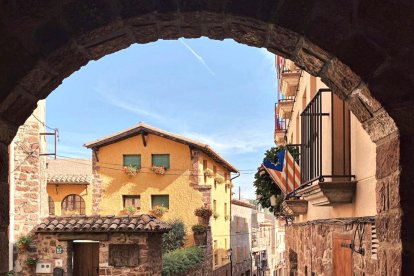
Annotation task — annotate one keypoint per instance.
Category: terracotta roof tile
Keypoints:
(88, 224)
(69, 171)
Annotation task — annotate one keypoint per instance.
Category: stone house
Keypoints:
(333, 203)
(98, 245)
(144, 169)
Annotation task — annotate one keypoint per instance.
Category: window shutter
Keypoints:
(161, 160)
(132, 160)
(160, 200)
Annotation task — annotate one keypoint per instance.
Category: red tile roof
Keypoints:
(69, 171)
(102, 224)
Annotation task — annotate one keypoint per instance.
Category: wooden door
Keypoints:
(85, 259)
(341, 255)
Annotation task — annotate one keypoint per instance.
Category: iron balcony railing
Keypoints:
(280, 123)
(314, 129)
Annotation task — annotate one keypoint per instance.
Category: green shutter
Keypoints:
(160, 200)
(161, 160)
(132, 160)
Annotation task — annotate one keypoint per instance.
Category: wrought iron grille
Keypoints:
(312, 144)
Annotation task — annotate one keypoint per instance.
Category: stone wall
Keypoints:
(242, 267)
(30, 196)
(150, 254)
(309, 248)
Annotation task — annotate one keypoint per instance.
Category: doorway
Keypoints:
(86, 258)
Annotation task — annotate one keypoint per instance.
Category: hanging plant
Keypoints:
(203, 212)
(31, 261)
(219, 179)
(158, 211)
(130, 170)
(23, 242)
(209, 173)
(158, 170)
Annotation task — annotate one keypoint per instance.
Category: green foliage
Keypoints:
(181, 260)
(31, 261)
(23, 242)
(199, 228)
(203, 212)
(265, 187)
(174, 239)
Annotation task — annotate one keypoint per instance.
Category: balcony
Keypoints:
(289, 82)
(285, 108)
(329, 193)
(325, 152)
(295, 207)
(280, 128)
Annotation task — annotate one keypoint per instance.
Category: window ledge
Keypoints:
(329, 193)
(295, 207)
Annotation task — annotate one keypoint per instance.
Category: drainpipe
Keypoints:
(11, 211)
(231, 218)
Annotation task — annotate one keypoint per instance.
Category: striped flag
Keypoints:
(286, 174)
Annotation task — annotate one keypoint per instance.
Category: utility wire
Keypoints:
(121, 165)
(73, 160)
(43, 123)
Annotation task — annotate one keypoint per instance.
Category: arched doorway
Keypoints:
(362, 51)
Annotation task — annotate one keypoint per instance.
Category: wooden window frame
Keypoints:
(161, 154)
(133, 197)
(129, 155)
(77, 199)
(152, 200)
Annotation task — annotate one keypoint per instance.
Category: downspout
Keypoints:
(231, 262)
(11, 211)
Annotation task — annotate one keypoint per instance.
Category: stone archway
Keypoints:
(361, 50)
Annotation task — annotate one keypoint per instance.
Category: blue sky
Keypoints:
(218, 92)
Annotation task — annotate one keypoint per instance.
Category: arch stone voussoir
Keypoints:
(361, 51)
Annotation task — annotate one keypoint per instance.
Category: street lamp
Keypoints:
(229, 252)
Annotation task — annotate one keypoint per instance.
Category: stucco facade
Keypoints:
(241, 242)
(342, 165)
(184, 182)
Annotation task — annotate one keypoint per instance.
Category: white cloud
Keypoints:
(197, 56)
(127, 106)
(231, 141)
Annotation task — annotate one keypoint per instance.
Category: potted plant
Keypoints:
(204, 214)
(23, 242)
(130, 170)
(219, 179)
(158, 170)
(200, 234)
(209, 173)
(31, 261)
(158, 211)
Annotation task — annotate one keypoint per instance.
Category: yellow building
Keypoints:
(141, 168)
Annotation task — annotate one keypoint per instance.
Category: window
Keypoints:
(123, 255)
(161, 160)
(51, 206)
(131, 200)
(160, 200)
(204, 168)
(73, 204)
(215, 258)
(133, 160)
